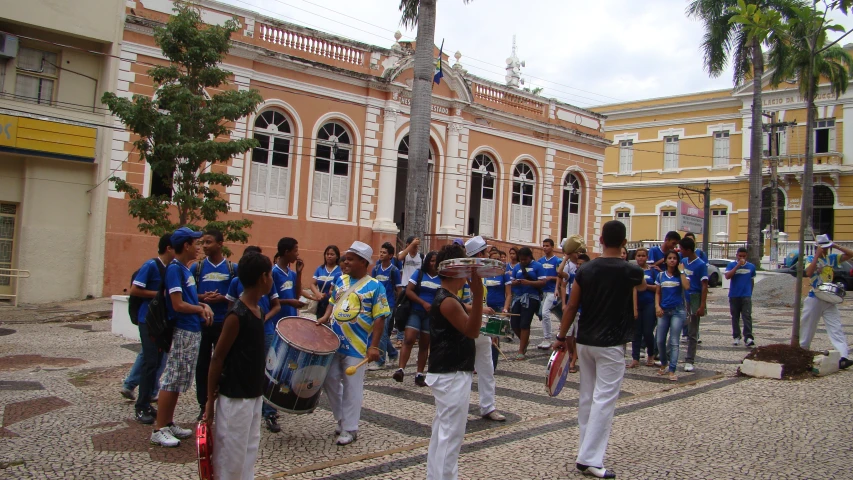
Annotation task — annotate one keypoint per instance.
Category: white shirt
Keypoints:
(410, 265)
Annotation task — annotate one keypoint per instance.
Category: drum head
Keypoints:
(828, 297)
(307, 336)
(558, 369)
(464, 267)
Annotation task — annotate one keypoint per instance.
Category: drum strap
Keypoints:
(353, 287)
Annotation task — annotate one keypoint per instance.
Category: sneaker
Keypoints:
(179, 432)
(595, 471)
(345, 438)
(398, 375)
(374, 366)
(699, 342)
(164, 438)
(200, 413)
(271, 423)
(495, 416)
(420, 380)
(844, 363)
(145, 417)
(544, 345)
(127, 393)
(736, 341)
(688, 367)
(750, 342)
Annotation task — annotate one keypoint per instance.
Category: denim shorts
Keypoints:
(418, 320)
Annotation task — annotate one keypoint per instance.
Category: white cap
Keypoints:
(475, 246)
(361, 249)
(823, 241)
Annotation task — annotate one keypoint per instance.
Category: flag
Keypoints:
(438, 70)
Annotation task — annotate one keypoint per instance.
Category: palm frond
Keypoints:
(410, 13)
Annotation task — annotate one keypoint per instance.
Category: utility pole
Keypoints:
(706, 222)
(773, 159)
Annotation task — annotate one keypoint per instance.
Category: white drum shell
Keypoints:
(830, 292)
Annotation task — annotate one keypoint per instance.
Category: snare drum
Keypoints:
(831, 292)
(495, 326)
(464, 267)
(297, 363)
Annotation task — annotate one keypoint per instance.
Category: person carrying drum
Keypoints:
(358, 309)
(742, 275)
(820, 270)
(528, 278)
(499, 292)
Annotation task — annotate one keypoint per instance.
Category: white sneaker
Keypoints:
(688, 367)
(345, 438)
(164, 438)
(179, 432)
(750, 342)
(544, 345)
(373, 366)
(736, 342)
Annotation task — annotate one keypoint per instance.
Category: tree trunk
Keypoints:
(753, 232)
(417, 194)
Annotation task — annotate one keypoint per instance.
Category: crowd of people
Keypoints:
(224, 317)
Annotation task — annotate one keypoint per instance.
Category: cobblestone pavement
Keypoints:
(62, 416)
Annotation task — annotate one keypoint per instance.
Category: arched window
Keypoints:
(269, 175)
(481, 214)
(402, 183)
(766, 213)
(823, 211)
(521, 214)
(330, 197)
(570, 221)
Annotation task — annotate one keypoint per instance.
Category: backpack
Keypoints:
(160, 328)
(403, 308)
(134, 303)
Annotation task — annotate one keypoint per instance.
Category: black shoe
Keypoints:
(420, 380)
(595, 471)
(398, 375)
(844, 363)
(272, 424)
(145, 417)
(200, 413)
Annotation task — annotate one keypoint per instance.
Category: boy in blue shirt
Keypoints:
(188, 316)
(389, 276)
(213, 276)
(549, 263)
(657, 254)
(699, 252)
(742, 275)
(697, 271)
(528, 279)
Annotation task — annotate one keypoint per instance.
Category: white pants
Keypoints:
(345, 392)
(451, 391)
(485, 374)
(813, 309)
(547, 303)
(601, 371)
(236, 432)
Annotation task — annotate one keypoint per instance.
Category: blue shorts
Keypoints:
(418, 320)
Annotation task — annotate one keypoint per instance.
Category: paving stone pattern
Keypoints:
(62, 416)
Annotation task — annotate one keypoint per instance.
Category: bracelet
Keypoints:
(559, 338)
(377, 349)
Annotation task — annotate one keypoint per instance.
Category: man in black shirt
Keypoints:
(604, 288)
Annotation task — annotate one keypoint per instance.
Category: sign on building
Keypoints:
(689, 218)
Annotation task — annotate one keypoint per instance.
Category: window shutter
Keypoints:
(258, 182)
(339, 197)
(515, 222)
(526, 227)
(320, 207)
(278, 189)
(783, 143)
(487, 217)
(831, 142)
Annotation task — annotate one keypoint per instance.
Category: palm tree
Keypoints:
(725, 40)
(420, 13)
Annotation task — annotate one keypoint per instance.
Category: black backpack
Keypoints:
(133, 302)
(403, 307)
(160, 328)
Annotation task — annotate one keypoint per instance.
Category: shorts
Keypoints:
(523, 315)
(180, 366)
(418, 320)
(693, 303)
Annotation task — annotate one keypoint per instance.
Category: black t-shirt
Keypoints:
(607, 301)
(243, 372)
(449, 350)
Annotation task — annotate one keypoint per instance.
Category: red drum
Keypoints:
(204, 443)
(558, 369)
(464, 267)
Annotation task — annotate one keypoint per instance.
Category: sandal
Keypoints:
(634, 364)
(673, 377)
(573, 369)
(520, 356)
(663, 370)
(650, 362)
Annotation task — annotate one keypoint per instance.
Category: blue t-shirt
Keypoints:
(701, 255)
(824, 272)
(284, 282)
(496, 290)
(390, 278)
(214, 278)
(353, 317)
(180, 279)
(236, 289)
(671, 293)
(655, 254)
(429, 287)
(148, 278)
(534, 272)
(325, 279)
(696, 271)
(550, 266)
(646, 297)
(741, 283)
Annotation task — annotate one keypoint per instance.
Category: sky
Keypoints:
(585, 53)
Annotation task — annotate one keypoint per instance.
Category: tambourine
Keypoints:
(204, 444)
(465, 267)
(555, 374)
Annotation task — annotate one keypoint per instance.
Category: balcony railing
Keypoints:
(508, 99)
(798, 161)
(321, 47)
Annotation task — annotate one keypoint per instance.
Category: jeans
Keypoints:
(385, 344)
(131, 381)
(644, 331)
(671, 322)
(153, 363)
(266, 409)
(741, 307)
(209, 337)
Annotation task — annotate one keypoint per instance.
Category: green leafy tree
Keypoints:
(182, 132)
(727, 41)
(800, 48)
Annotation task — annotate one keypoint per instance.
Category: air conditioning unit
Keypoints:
(8, 46)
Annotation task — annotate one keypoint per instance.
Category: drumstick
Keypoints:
(507, 314)
(351, 370)
(501, 352)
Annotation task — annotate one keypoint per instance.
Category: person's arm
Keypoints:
(275, 307)
(636, 309)
(230, 329)
(318, 295)
(847, 253)
(560, 273)
(658, 310)
(137, 291)
(685, 282)
(813, 265)
(297, 285)
(569, 314)
(730, 270)
(702, 305)
(409, 249)
(507, 296)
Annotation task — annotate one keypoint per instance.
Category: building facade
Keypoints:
(55, 63)
(660, 144)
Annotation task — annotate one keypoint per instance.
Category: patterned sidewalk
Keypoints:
(62, 416)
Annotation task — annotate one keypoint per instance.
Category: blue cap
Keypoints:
(181, 235)
(458, 241)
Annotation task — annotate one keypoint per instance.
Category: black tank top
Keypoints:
(243, 372)
(450, 351)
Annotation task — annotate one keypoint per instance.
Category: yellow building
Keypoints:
(660, 144)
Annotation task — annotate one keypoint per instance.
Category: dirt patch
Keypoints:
(18, 362)
(90, 317)
(96, 376)
(796, 362)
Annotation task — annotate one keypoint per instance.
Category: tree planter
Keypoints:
(782, 362)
